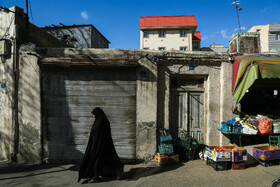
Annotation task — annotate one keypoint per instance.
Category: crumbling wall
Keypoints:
(7, 31)
(29, 110)
(146, 109)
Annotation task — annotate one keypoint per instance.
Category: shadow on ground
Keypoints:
(25, 170)
(134, 173)
(137, 173)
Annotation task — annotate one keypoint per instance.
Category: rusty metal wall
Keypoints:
(69, 95)
(233, 46)
(248, 45)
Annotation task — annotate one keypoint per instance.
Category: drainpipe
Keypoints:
(15, 125)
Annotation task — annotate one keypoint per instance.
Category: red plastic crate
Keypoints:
(237, 165)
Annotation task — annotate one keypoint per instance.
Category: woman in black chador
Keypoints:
(100, 151)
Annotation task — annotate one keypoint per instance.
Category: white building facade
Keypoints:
(169, 33)
(269, 37)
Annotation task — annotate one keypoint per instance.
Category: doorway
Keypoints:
(187, 106)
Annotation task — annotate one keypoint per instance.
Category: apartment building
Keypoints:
(269, 36)
(169, 33)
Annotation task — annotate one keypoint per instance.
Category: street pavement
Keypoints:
(191, 173)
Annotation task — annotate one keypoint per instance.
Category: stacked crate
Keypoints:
(238, 158)
(274, 141)
(187, 147)
(219, 160)
(267, 155)
(232, 157)
(165, 153)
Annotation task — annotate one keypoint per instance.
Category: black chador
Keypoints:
(100, 151)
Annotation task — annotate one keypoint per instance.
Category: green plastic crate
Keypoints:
(274, 141)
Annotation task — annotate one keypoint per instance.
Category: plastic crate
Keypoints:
(165, 138)
(165, 148)
(161, 159)
(269, 163)
(237, 165)
(218, 166)
(274, 140)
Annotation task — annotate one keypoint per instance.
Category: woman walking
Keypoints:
(100, 151)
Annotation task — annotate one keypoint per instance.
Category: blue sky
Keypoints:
(118, 20)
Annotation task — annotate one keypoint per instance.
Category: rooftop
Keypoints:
(197, 35)
(168, 21)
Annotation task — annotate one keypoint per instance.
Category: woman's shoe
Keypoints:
(120, 173)
(93, 180)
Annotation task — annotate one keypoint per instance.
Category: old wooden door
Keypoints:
(187, 113)
(187, 106)
(195, 114)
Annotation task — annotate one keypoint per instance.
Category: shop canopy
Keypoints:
(246, 69)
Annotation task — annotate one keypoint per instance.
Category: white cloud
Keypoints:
(264, 10)
(237, 29)
(84, 15)
(204, 38)
(224, 33)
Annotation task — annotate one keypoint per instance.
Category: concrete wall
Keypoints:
(29, 109)
(146, 112)
(7, 31)
(227, 100)
(171, 41)
(264, 42)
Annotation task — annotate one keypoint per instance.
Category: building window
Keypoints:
(161, 48)
(195, 46)
(183, 48)
(277, 36)
(146, 34)
(161, 33)
(146, 48)
(183, 33)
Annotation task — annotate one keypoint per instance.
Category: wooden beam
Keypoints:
(53, 61)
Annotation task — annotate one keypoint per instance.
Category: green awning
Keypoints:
(257, 70)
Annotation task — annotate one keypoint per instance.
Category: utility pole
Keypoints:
(236, 3)
(26, 7)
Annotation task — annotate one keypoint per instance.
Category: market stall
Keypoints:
(256, 83)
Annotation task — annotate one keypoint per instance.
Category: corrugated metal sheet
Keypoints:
(70, 94)
(274, 27)
(273, 43)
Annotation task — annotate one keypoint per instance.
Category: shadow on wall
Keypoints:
(70, 94)
(58, 136)
(4, 146)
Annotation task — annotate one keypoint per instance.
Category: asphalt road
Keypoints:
(192, 173)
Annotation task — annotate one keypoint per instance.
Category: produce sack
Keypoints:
(225, 127)
(253, 121)
(248, 128)
(276, 126)
(265, 126)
